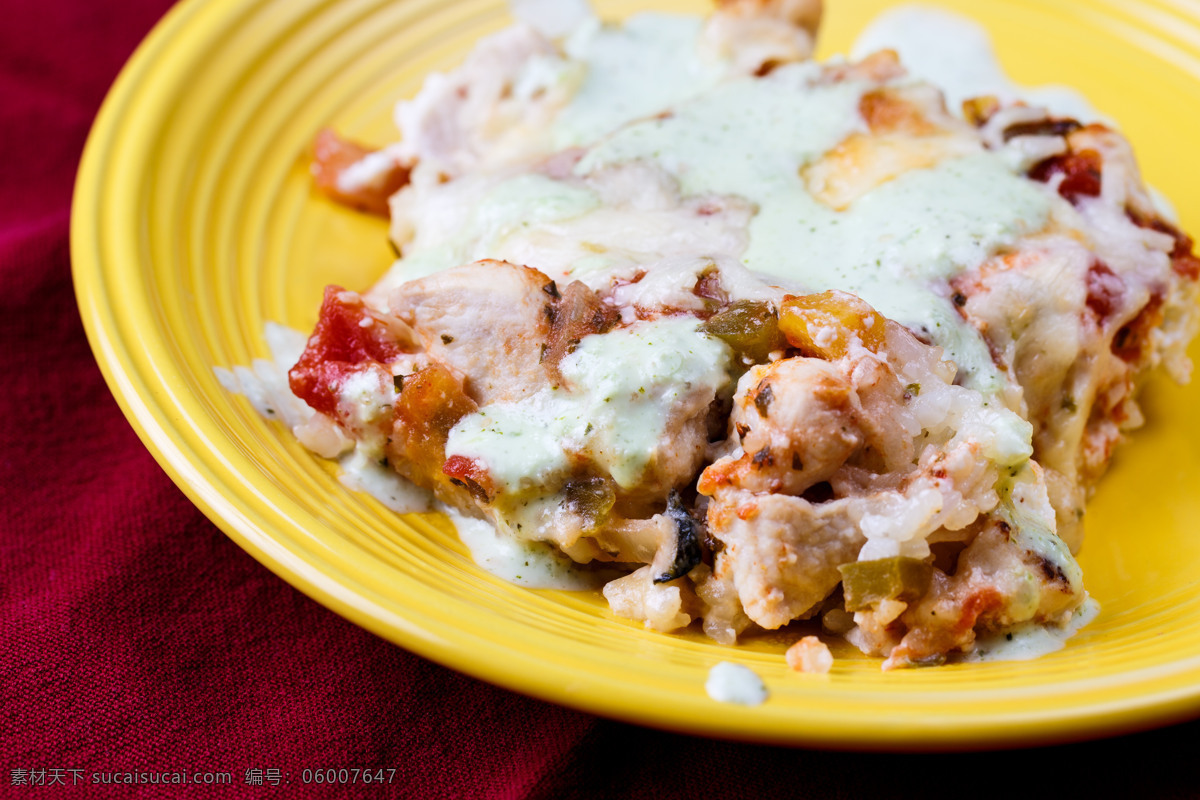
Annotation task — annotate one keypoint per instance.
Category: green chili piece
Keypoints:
(865, 583)
(751, 328)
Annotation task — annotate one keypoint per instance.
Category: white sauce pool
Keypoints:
(362, 473)
(1030, 640)
(533, 565)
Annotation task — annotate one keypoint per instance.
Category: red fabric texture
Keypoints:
(136, 638)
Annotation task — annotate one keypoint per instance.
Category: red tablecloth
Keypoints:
(136, 638)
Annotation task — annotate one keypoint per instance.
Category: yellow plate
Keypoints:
(195, 223)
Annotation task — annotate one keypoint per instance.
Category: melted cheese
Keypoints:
(893, 247)
(750, 139)
(480, 218)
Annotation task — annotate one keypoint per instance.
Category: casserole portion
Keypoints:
(777, 340)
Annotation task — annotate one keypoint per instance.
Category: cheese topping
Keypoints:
(748, 139)
(752, 138)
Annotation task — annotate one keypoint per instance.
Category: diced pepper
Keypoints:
(1081, 171)
(865, 583)
(978, 110)
(471, 475)
(591, 498)
(825, 324)
(430, 404)
(750, 328)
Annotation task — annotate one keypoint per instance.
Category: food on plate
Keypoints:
(777, 340)
(809, 654)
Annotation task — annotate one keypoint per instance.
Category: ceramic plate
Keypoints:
(195, 224)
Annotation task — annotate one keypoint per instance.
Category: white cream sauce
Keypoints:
(635, 69)
(364, 473)
(956, 55)
(535, 565)
(734, 683)
(1030, 640)
(749, 138)
(265, 382)
(622, 390)
(893, 247)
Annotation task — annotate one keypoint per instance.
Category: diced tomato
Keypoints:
(1105, 290)
(1183, 259)
(332, 155)
(979, 603)
(472, 475)
(1130, 341)
(341, 344)
(1081, 173)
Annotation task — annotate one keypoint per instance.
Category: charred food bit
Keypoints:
(687, 543)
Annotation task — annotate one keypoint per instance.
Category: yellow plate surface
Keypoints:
(194, 224)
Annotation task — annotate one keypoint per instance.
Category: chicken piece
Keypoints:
(757, 35)
(796, 422)
(783, 552)
(488, 321)
(661, 606)
(879, 67)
